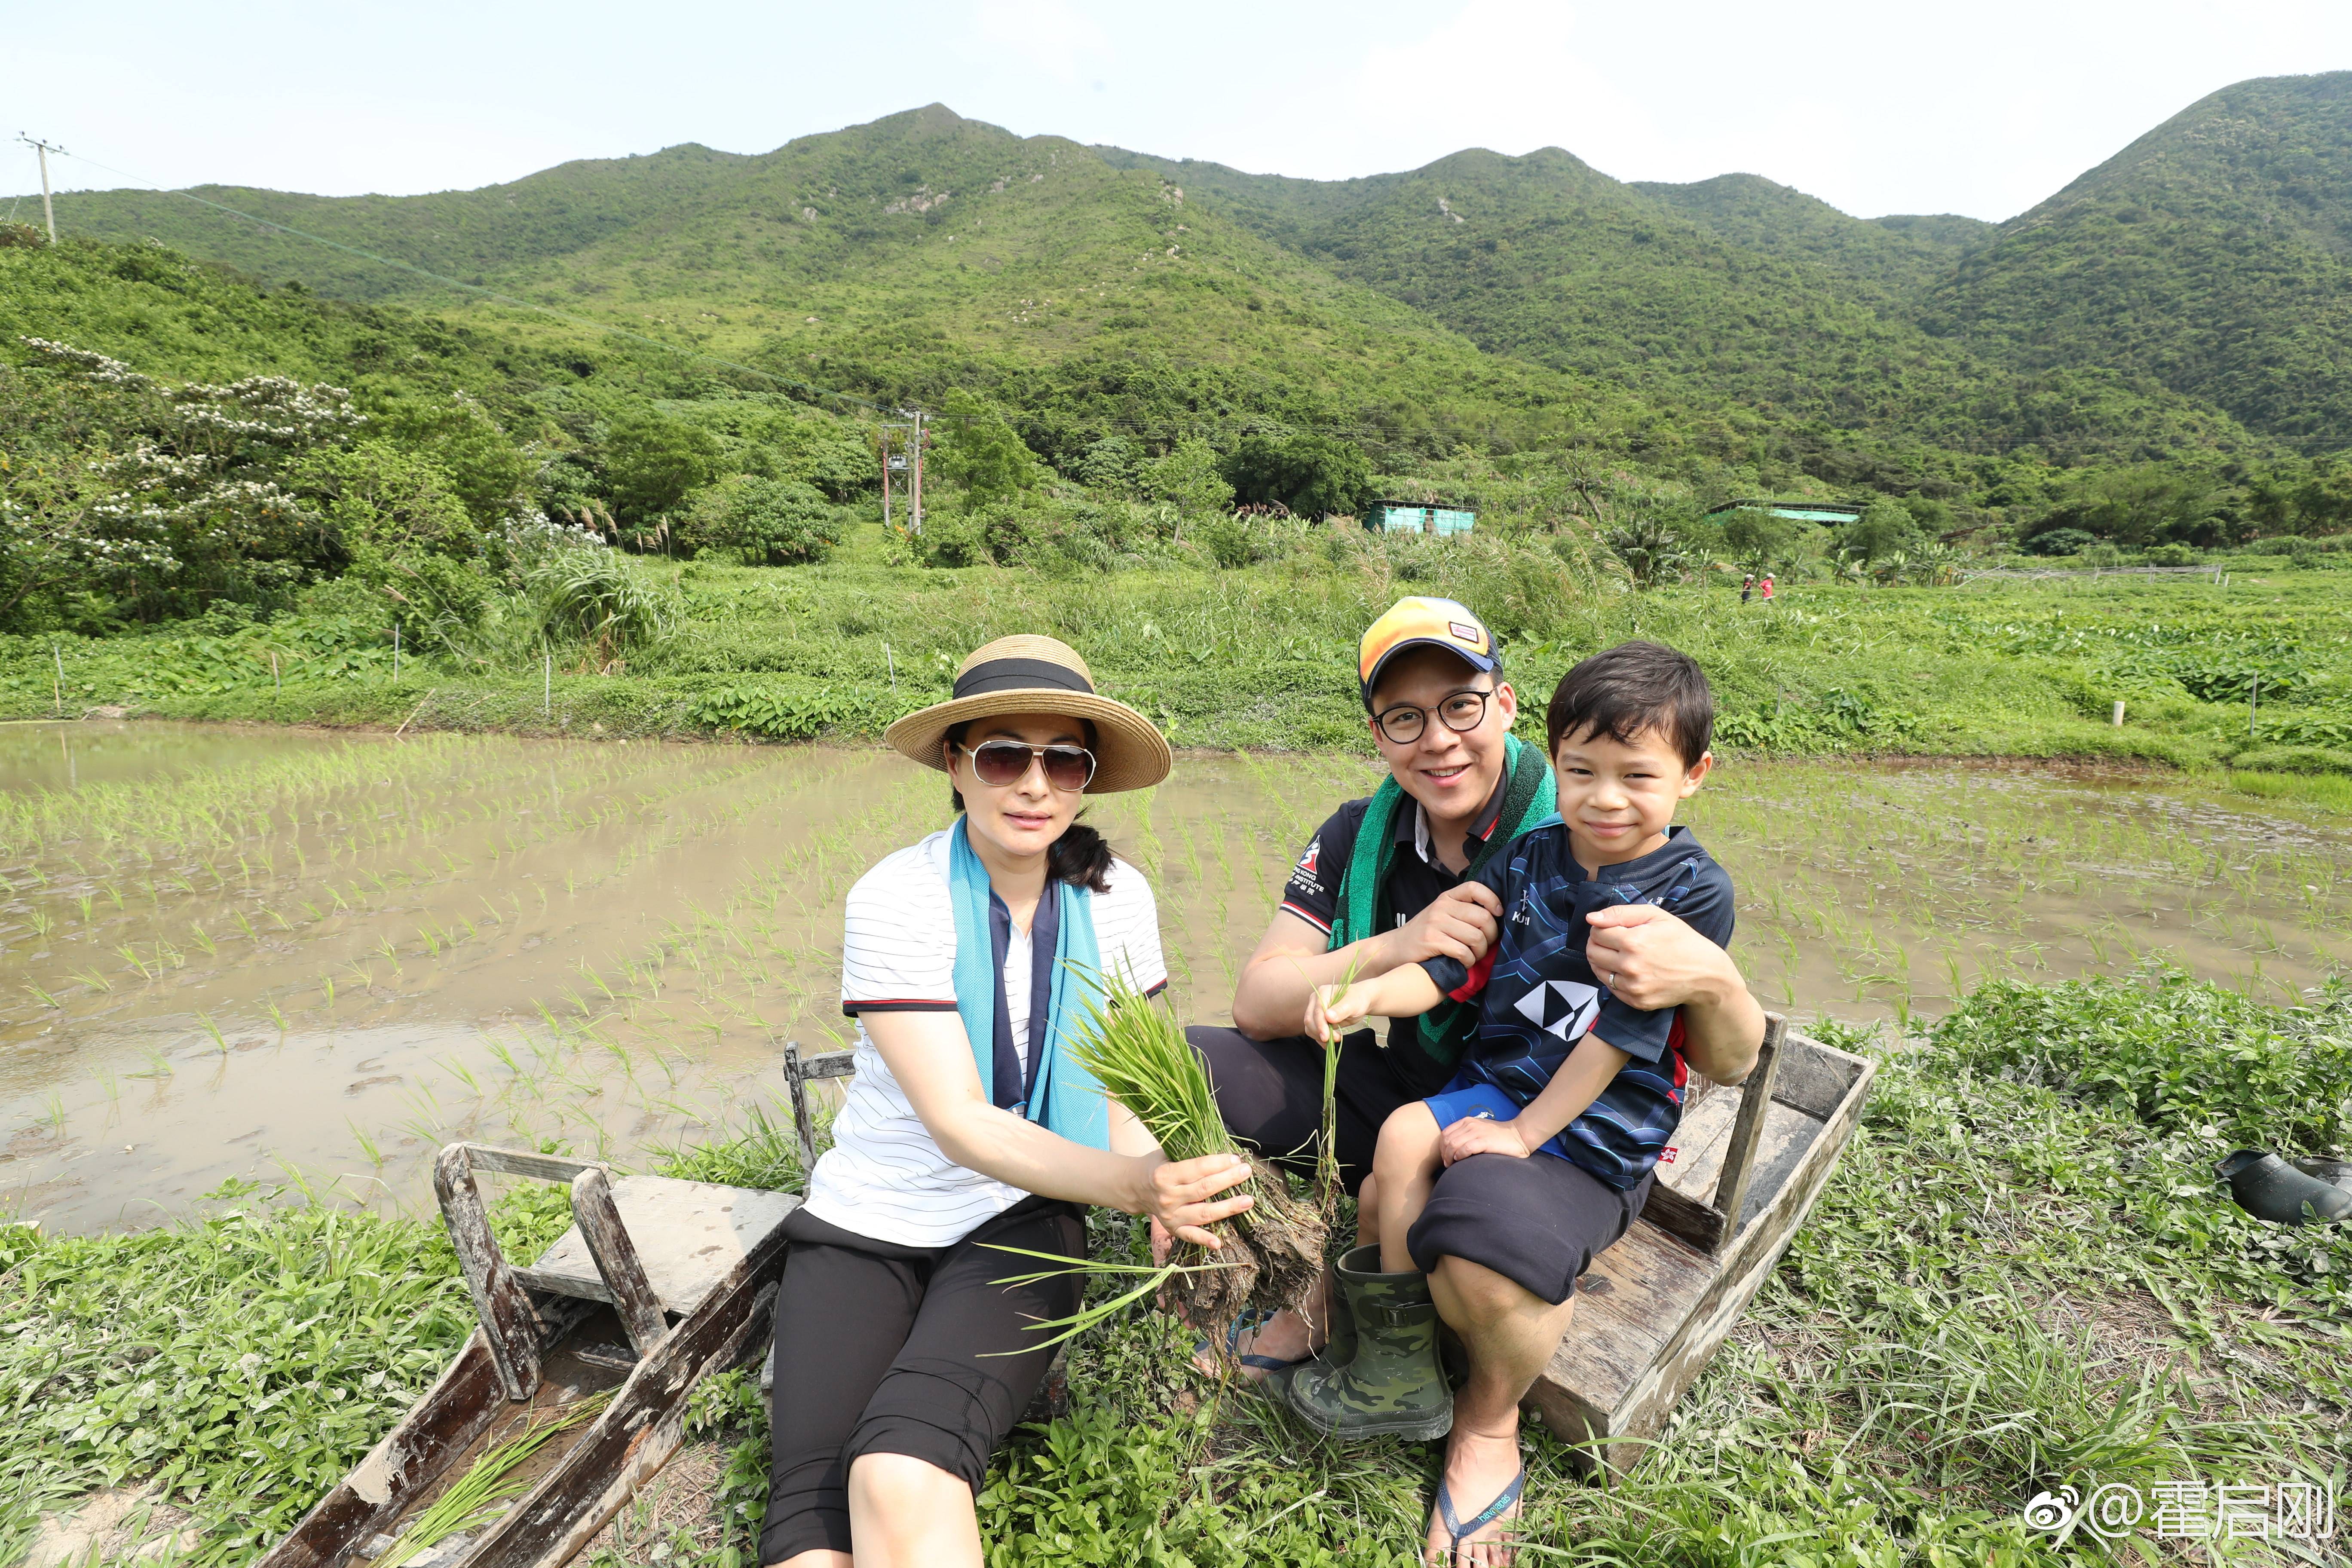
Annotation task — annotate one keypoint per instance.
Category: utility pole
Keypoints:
(906, 459)
(915, 502)
(48, 210)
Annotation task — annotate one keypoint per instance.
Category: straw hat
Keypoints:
(1039, 675)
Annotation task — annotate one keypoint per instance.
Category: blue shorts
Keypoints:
(1466, 1099)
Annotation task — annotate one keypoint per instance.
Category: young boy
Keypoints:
(1561, 1070)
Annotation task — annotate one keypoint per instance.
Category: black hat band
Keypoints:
(1019, 675)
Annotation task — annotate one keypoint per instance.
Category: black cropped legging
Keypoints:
(882, 1349)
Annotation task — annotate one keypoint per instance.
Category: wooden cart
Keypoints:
(657, 1284)
(1653, 1309)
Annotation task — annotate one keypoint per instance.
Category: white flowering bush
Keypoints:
(160, 497)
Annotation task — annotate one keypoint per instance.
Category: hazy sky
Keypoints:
(1981, 109)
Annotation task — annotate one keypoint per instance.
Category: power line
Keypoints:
(549, 311)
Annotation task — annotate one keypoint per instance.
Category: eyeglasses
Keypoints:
(1462, 712)
(1002, 762)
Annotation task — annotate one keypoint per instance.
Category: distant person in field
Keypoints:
(1747, 587)
(902, 1359)
(1768, 587)
(1540, 1151)
(1391, 881)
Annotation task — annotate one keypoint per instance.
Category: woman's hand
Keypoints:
(1482, 1135)
(1181, 1196)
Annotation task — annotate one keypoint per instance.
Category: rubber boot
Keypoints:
(2267, 1188)
(1391, 1385)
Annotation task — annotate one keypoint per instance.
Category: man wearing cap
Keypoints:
(1389, 880)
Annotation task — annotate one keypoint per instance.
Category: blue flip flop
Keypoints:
(1486, 1516)
(1251, 1318)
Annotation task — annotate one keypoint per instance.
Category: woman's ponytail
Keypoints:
(1080, 857)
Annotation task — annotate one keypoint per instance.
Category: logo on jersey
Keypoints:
(1307, 861)
(1563, 1009)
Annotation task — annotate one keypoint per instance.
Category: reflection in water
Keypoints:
(239, 953)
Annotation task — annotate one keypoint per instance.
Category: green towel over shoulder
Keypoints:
(1529, 796)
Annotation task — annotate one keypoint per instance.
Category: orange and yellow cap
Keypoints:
(1425, 623)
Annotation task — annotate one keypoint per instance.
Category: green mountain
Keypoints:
(1904, 256)
(2187, 297)
(2213, 255)
(901, 258)
(1732, 296)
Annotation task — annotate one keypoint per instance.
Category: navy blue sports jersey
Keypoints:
(1537, 995)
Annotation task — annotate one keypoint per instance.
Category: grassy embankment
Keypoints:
(1260, 657)
(2023, 1276)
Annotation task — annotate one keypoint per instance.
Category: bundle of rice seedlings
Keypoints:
(487, 1485)
(1273, 1251)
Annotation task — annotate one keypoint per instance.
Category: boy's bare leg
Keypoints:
(1510, 1334)
(1406, 1165)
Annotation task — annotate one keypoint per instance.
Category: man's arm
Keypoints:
(1651, 960)
(1290, 963)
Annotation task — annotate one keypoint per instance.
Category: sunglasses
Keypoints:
(1002, 762)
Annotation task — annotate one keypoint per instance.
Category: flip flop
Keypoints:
(1486, 1516)
(1251, 1319)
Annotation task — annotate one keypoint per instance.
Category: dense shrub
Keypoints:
(2175, 1052)
(766, 522)
(2295, 760)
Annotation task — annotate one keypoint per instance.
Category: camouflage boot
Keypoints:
(1391, 1385)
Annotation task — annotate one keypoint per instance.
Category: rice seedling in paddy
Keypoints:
(1868, 889)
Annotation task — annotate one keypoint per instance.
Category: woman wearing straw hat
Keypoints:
(900, 1362)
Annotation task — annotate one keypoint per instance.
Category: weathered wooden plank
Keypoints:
(1698, 1147)
(798, 1072)
(1633, 1350)
(1815, 1077)
(1692, 1220)
(1755, 1100)
(561, 1282)
(617, 1264)
(638, 1432)
(411, 1458)
(510, 1318)
(686, 1234)
(525, 1163)
(1745, 1265)
(1627, 1306)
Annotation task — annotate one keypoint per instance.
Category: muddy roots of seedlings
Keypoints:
(1273, 1254)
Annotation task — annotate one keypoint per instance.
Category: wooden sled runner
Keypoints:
(657, 1284)
(1654, 1308)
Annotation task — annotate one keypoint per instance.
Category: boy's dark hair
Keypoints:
(1632, 688)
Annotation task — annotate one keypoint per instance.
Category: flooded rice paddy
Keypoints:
(275, 955)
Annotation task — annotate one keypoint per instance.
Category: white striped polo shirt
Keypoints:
(885, 1175)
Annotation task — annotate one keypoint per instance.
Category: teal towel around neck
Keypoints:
(1064, 1096)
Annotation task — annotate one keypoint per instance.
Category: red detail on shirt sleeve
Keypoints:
(1318, 921)
(1479, 973)
(1674, 1048)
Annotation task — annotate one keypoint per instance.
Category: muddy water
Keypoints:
(263, 954)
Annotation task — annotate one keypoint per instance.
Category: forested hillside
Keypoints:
(1130, 361)
(923, 248)
(2214, 255)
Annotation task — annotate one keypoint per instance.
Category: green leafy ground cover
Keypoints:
(1260, 657)
(2019, 1277)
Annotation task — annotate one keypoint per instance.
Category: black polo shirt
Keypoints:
(1415, 881)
